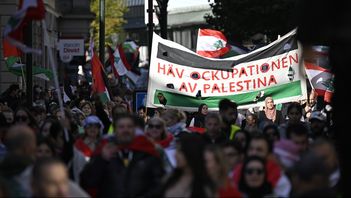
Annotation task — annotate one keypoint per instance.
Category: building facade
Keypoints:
(64, 18)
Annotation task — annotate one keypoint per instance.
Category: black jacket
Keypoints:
(112, 179)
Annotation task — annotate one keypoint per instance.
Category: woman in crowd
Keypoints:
(243, 138)
(199, 118)
(217, 169)
(190, 178)
(174, 121)
(156, 130)
(63, 142)
(84, 147)
(45, 148)
(45, 128)
(23, 116)
(270, 113)
(253, 181)
(87, 108)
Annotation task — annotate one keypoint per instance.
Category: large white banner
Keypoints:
(179, 78)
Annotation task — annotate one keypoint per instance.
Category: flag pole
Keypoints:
(55, 76)
(29, 64)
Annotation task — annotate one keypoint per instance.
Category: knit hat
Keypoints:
(93, 120)
(287, 152)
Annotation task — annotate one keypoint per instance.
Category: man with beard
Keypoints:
(229, 113)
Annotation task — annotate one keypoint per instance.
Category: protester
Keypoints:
(199, 118)
(156, 131)
(310, 177)
(174, 121)
(243, 138)
(261, 147)
(190, 178)
(16, 166)
(126, 165)
(85, 146)
(8, 113)
(294, 114)
(298, 133)
(11, 96)
(234, 154)
(23, 116)
(318, 125)
(271, 132)
(218, 171)
(50, 178)
(324, 149)
(270, 114)
(253, 181)
(229, 113)
(213, 133)
(251, 123)
(142, 113)
(45, 148)
(87, 108)
(45, 128)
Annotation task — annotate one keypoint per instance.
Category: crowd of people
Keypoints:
(97, 149)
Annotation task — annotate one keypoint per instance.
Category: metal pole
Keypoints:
(150, 25)
(163, 18)
(102, 31)
(29, 64)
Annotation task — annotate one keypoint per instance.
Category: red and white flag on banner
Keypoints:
(211, 43)
(29, 10)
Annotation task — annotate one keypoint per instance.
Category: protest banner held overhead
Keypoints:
(182, 79)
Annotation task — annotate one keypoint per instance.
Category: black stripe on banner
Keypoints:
(181, 57)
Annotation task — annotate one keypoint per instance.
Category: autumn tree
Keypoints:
(114, 11)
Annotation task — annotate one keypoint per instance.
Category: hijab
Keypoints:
(270, 113)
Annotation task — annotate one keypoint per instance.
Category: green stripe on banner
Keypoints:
(277, 92)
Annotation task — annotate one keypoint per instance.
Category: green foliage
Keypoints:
(241, 19)
(114, 11)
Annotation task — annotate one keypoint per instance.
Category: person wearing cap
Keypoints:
(318, 124)
(84, 146)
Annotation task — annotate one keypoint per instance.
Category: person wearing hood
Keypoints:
(85, 146)
(156, 131)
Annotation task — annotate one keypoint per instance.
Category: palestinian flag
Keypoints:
(29, 10)
(14, 65)
(211, 43)
(98, 86)
(131, 47)
(121, 67)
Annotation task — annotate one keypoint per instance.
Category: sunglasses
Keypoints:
(22, 118)
(250, 171)
(156, 126)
